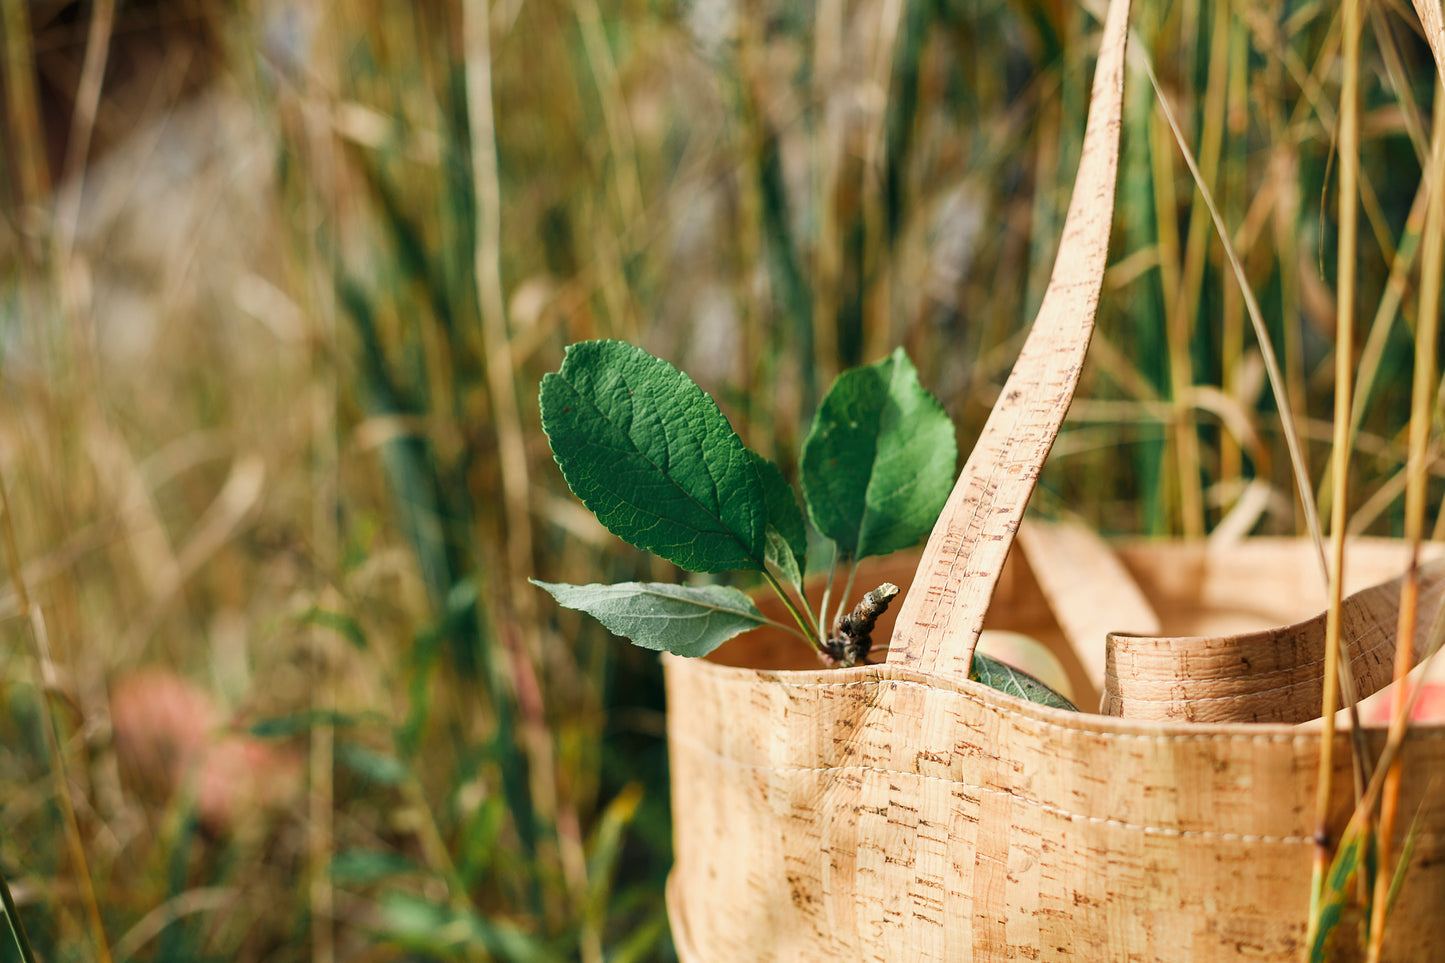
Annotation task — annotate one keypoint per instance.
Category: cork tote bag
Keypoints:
(901, 812)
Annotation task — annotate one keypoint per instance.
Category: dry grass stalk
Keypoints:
(82, 124)
(1349, 148)
(19, 67)
(1388, 309)
(1277, 382)
(1421, 424)
(60, 769)
(1183, 431)
(501, 382)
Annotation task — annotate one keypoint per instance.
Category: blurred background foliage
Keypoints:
(278, 281)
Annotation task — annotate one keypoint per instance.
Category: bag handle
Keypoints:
(1089, 591)
(1272, 674)
(941, 617)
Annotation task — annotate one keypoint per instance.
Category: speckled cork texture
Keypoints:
(900, 812)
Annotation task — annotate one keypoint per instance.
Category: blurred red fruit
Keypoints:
(1429, 708)
(170, 734)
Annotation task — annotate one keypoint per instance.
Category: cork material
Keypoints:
(875, 814)
(1088, 588)
(878, 814)
(1429, 13)
(1270, 675)
(900, 812)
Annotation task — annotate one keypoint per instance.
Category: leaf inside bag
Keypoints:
(879, 460)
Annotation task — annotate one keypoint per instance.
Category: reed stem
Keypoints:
(1271, 363)
(52, 733)
(17, 928)
(1421, 421)
(1349, 148)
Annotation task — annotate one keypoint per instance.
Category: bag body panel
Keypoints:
(875, 814)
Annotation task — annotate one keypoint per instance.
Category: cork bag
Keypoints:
(899, 811)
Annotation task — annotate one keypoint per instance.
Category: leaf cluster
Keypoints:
(654, 458)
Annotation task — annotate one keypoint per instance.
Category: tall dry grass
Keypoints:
(268, 413)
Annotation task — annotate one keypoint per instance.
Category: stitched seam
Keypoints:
(1417, 732)
(1378, 628)
(1047, 807)
(1129, 695)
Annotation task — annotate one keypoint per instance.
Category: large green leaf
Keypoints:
(681, 619)
(653, 457)
(879, 460)
(1015, 682)
(785, 520)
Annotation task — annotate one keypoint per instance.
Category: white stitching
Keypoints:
(1047, 807)
(1379, 628)
(1417, 731)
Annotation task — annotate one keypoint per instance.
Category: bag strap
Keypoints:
(941, 617)
(1267, 675)
(1089, 591)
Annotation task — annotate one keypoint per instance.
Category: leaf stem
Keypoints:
(802, 616)
(847, 588)
(823, 627)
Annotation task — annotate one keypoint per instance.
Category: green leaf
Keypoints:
(1407, 854)
(652, 456)
(681, 619)
(357, 867)
(1329, 908)
(784, 518)
(383, 769)
(781, 557)
(879, 460)
(642, 942)
(421, 925)
(477, 847)
(343, 625)
(605, 848)
(1015, 682)
(285, 727)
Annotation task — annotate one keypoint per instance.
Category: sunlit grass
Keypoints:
(316, 488)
